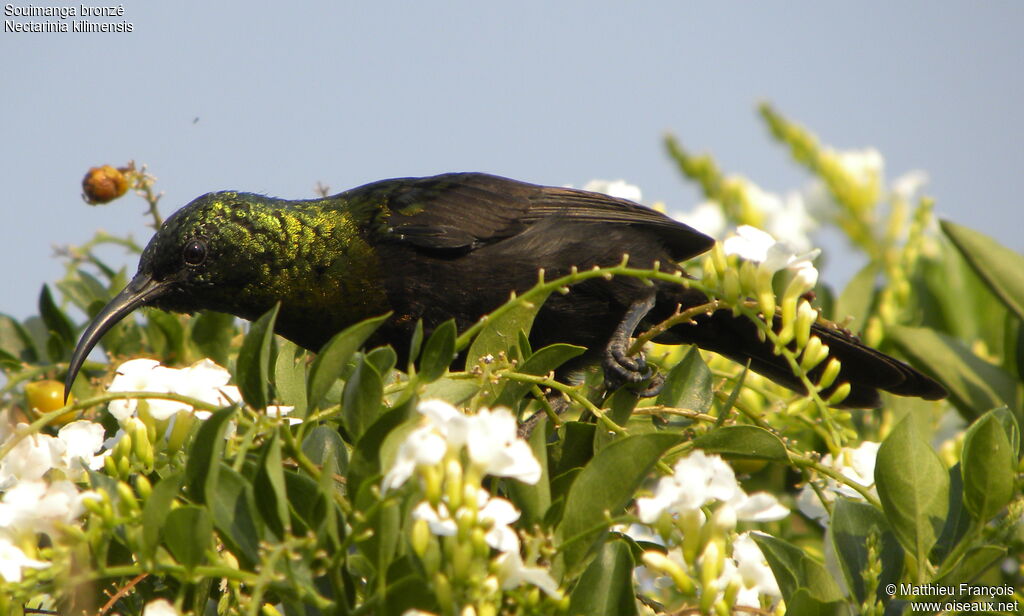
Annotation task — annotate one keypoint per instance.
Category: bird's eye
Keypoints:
(194, 253)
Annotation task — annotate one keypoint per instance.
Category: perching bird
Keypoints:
(455, 246)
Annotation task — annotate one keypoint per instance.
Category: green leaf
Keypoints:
(606, 586)
(438, 352)
(335, 354)
(1001, 268)
(269, 488)
(366, 459)
(207, 449)
(574, 447)
(290, 369)
(231, 502)
(743, 442)
(604, 487)
(253, 366)
(15, 340)
(688, 384)
(857, 298)
(958, 520)
(188, 533)
(796, 572)
(500, 334)
(539, 364)
(166, 335)
(154, 513)
(1010, 426)
(454, 391)
(84, 291)
(416, 342)
(323, 443)
(988, 464)
(533, 500)
(57, 323)
(211, 333)
(361, 399)
(974, 385)
(852, 525)
(973, 564)
(913, 487)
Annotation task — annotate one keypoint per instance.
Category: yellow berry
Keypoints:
(47, 396)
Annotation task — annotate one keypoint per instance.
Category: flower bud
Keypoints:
(453, 483)
(806, 316)
(431, 484)
(127, 497)
(143, 487)
(182, 424)
(712, 560)
(103, 185)
(828, 376)
(443, 591)
(723, 520)
(731, 286)
(814, 353)
(839, 394)
(420, 537)
(663, 564)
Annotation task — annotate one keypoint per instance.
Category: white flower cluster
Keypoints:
(728, 566)
(462, 449)
(39, 473)
(857, 464)
(36, 478)
(203, 380)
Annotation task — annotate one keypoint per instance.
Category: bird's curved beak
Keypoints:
(141, 290)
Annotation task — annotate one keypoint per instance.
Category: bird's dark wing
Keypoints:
(458, 212)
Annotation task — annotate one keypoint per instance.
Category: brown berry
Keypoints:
(103, 184)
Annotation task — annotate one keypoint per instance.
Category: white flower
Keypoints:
(514, 573)
(208, 382)
(424, 446)
(753, 244)
(82, 439)
(791, 222)
(31, 458)
(695, 481)
(706, 217)
(496, 448)
(757, 507)
(856, 464)
(449, 422)
(489, 436)
(203, 380)
(752, 568)
(500, 513)
(35, 506)
(863, 166)
(276, 410)
(909, 185)
(144, 375)
(12, 560)
(493, 511)
(160, 607)
(615, 188)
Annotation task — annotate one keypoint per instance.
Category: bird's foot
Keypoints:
(622, 369)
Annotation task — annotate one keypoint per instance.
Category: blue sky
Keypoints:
(289, 94)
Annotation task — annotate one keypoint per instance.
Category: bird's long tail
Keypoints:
(865, 369)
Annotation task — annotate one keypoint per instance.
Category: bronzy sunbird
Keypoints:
(455, 246)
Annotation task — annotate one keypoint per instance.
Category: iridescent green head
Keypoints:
(241, 253)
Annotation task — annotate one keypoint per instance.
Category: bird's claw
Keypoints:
(622, 369)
